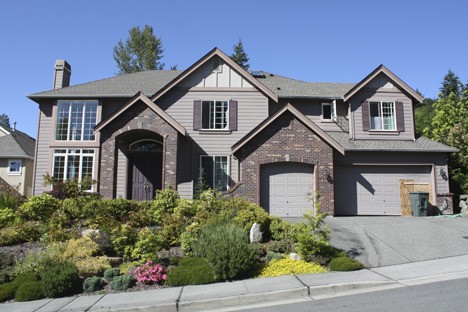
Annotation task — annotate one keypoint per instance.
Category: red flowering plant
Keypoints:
(150, 273)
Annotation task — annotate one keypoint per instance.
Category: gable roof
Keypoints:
(16, 144)
(389, 74)
(309, 123)
(141, 97)
(216, 52)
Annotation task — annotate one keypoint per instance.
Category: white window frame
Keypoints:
(68, 134)
(381, 117)
(10, 161)
(211, 115)
(332, 106)
(74, 152)
(228, 173)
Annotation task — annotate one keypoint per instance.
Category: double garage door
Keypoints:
(286, 189)
(373, 190)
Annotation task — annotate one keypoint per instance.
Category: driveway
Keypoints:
(382, 241)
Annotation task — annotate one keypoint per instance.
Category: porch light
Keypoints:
(328, 177)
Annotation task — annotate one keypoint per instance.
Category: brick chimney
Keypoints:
(62, 73)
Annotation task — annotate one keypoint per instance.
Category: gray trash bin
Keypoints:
(419, 201)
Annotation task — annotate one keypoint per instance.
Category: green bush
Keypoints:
(271, 255)
(110, 273)
(39, 208)
(122, 282)
(7, 264)
(7, 291)
(93, 283)
(30, 231)
(227, 249)
(345, 264)
(60, 278)
(164, 202)
(314, 236)
(10, 236)
(172, 229)
(190, 271)
(146, 246)
(7, 216)
(283, 230)
(28, 291)
(141, 216)
(123, 241)
(35, 262)
(75, 207)
(83, 253)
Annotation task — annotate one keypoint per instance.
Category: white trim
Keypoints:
(4, 130)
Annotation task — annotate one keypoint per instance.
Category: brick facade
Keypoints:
(286, 140)
(137, 118)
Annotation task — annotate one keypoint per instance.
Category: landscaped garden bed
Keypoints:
(70, 242)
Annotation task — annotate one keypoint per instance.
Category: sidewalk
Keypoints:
(256, 291)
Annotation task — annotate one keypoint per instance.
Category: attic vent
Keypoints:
(258, 74)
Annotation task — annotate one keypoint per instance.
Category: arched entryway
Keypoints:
(145, 158)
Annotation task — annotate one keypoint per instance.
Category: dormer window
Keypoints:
(382, 116)
(329, 111)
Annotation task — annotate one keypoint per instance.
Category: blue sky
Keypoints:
(336, 41)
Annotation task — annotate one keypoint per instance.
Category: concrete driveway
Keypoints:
(382, 241)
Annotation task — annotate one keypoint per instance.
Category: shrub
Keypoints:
(35, 262)
(189, 237)
(39, 208)
(10, 236)
(7, 291)
(30, 231)
(164, 202)
(150, 273)
(146, 246)
(7, 216)
(271, 255)
(110, 273)
(314, 237)
(123, 240)
(28, 291)
(93, 283)
(345, 264)
(283, 230)
(173, 227)
(191, 271)
(141, 216)
(288, 266)
(60, 278)
(82, 252)
(227, 249)
(7, 264)
(122, 282)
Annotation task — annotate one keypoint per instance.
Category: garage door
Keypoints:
(373, 190)
(286, 188)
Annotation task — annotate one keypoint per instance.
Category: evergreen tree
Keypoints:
(240, 56)
(451, 84)
(141, 51)
(5, 120)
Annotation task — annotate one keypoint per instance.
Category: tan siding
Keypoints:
(252, 109)
(382, 94)
(44, 156)
(121, 188)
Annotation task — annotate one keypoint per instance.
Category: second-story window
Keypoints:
(76, 120)
(215, 115)
(382, 116)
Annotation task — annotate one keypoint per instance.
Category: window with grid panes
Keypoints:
(76, 120)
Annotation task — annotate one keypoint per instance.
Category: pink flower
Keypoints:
(150, 273)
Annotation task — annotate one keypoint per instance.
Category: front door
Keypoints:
(146, 174)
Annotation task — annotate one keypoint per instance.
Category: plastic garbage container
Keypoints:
(419, 201)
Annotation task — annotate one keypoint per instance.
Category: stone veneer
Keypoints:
(286, 139)
(137, 117)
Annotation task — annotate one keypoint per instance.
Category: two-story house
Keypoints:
(273, 140)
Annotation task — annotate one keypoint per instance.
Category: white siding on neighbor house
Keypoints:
(207, 77)
(382, 89)
(17, 180)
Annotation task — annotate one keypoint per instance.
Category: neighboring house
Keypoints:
(273, 140)
(17, 159)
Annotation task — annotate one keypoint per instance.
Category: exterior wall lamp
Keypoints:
(443, 174)
(328, 177)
